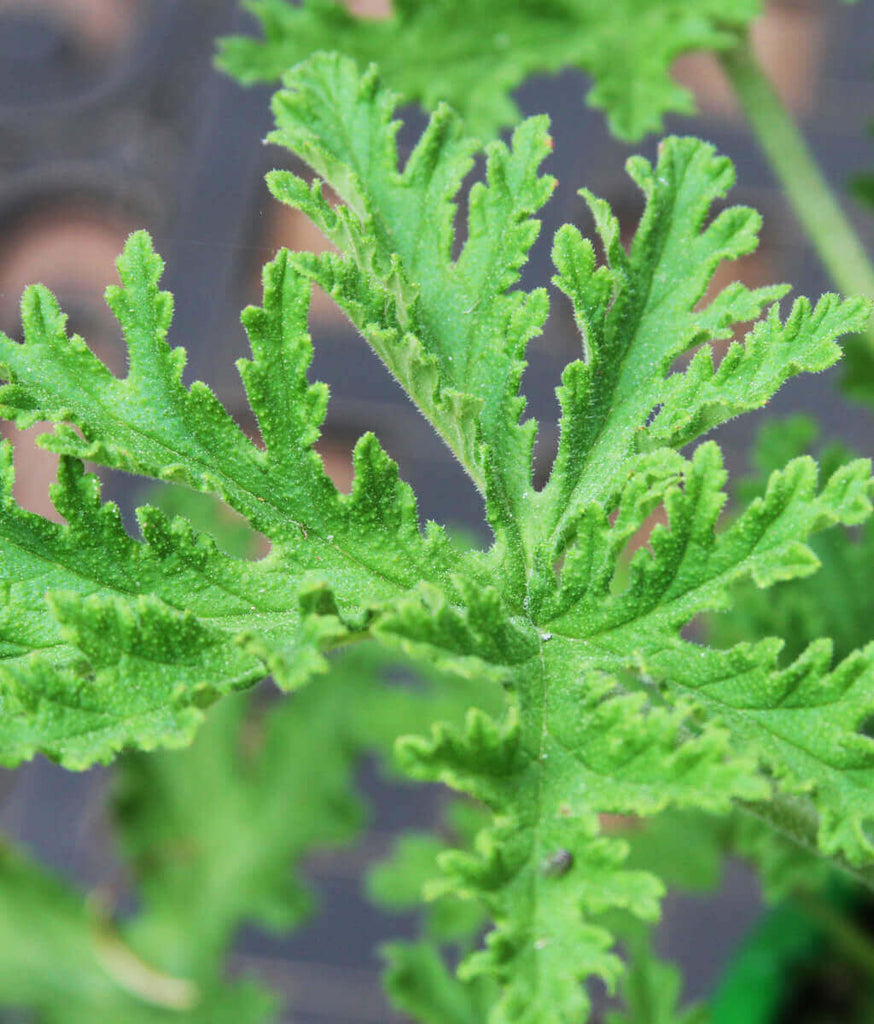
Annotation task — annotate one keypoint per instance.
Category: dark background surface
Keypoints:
(111, 118)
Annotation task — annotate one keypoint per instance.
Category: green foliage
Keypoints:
(652, 988)
(65, 961)
(590, 697)
(402, 881)
(420, 984)
(256, 792)
(187, 621)
(210, 835)
(241, 816)
(472, 55)
(837, 603)
(757, 980)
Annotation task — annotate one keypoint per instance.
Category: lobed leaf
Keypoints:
(473, 55)
(543, 870)
(151, 424)
(639, 311)
(433, 320)
(836, 603)
(608, 721)
(449, 329)
(613, 709)
(87, 609)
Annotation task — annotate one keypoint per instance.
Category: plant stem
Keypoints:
(797, 819)
(792, 162)
(841, 929)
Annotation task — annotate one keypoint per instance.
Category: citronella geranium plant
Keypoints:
(473, 53)
(592, 696)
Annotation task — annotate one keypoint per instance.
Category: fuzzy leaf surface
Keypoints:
(87, 608)
(639, 311)
(613, 710)
(836, 603)
(607, 722)
(451, 330)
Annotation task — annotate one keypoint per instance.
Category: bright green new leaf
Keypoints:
(613, 707)
(88, 608)
(452, 331)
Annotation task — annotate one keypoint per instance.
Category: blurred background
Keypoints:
(113, 118)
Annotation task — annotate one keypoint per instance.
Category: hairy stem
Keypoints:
(794, 166)
(796, 818)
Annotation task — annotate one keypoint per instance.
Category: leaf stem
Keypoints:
(796, 818)
(846, 935)
(795, 167)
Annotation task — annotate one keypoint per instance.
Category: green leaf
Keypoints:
(837, 602)
(398, 283)
(452, 331)
(609, 707)
(150, 423)
(86, 608)
(216, 834)
(419, 983)
(802, 721)
(584, 744)
(543, 863)
(61, 960)
(652, 988)
(639, 312)
(473, 55)
(691, 567)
